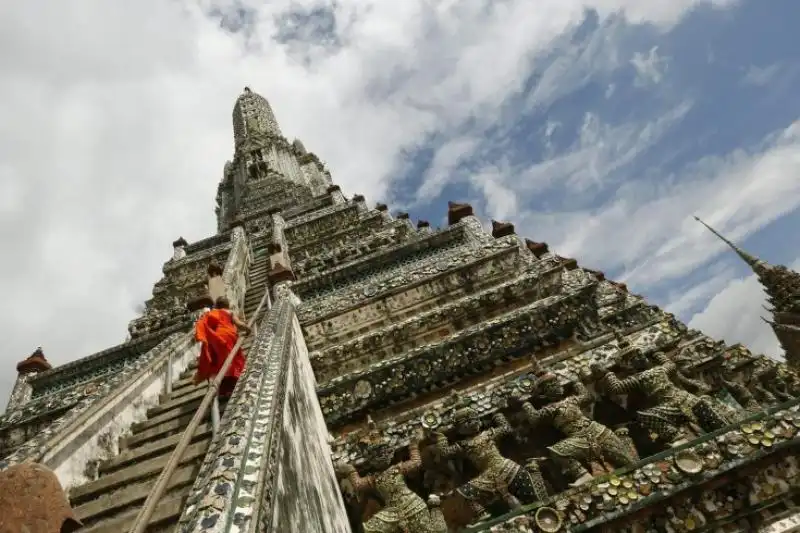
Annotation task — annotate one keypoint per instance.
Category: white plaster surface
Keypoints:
(97, 439)
(307, 496)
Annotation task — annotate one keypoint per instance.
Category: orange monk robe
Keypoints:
(205, 366)
(222, 335)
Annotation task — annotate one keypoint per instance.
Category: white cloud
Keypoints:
(735, 314)
(683, 300)
(761, 76)
(445, 162)
(116, 126)
(655, 240)
(649, 68)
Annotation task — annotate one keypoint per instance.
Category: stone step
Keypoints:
(133, 473)
(252, 302)
(250, 306)
(177, 400)
(160, 431)
(185, 408)
(180, 388)
(186, 374)
(152, 448)
(255, 298)
(132, 495)
(167, 513)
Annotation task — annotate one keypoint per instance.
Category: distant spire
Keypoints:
(749, 259)
(781, 285)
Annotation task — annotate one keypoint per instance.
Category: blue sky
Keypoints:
(598, 126)
(619, 111)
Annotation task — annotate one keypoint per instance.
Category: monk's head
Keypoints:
(222, 303)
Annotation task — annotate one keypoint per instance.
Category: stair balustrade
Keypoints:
(211, 396)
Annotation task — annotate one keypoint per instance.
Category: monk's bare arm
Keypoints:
(240, 323)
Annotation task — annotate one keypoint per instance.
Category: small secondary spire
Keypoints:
(749, 259)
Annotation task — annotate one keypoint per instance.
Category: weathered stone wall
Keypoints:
(21, 392)
(307, 495)
(97, 438)
(73, 444)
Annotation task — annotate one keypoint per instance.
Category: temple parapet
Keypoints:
(307, 264)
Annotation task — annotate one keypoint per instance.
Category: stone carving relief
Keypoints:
(499, 478)
(586, 441)
(338, 218)
(308, 264)
(673, 409)
(427, 327)
(367, 226)
(319, 216)
(544, 321)
(415, 269)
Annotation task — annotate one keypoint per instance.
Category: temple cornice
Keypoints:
(416, 244)
(507, 337)
(316, 307)
(539, 281)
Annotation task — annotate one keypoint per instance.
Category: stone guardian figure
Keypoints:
(674, 408)
(586, 440)
(404, 510)
(499, 477)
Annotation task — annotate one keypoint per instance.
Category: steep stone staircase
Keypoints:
(111, 502)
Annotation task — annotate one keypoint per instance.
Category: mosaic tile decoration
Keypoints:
(238, 463)
(626, 490)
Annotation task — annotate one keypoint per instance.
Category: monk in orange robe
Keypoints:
(218, 330)
(204, 362)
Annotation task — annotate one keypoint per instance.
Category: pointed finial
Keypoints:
(779, 326)
(749, 259)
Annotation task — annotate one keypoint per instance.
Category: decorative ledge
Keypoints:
(492, 396)
(469, 351)
(413, 245)
(456, 212)
(317, 307)
(538, 281)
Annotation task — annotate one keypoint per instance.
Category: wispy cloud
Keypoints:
(649, 67)
(761, 76)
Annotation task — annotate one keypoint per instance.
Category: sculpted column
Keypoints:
(281, 267)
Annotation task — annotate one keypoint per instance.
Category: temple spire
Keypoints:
(749, 259)
(782, 286)
(253, 118)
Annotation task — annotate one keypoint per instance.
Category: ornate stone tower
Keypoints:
(782, 286)
(406, 378)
